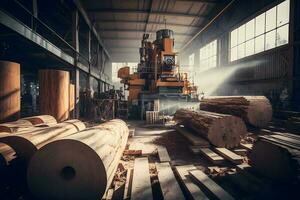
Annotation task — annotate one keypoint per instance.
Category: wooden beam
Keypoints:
(141, 184)
(212, 156)
(193, 190)
(229, 155)
(214, 189)
(168, 183)
(192, 138)
(163, 154)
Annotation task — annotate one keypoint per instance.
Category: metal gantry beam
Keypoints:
(87, 20)
(140, 31)
(94, 12)
(202, 1)
(101, 21)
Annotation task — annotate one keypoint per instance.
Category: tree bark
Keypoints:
(80, 166)
(220, 129)
(254, 110)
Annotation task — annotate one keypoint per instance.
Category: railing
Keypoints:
(26, 17)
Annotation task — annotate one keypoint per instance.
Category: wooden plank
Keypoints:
(229, 155)
(212, 156)
(192, 138)
(194, 191)
(244, 170)
(169, 186)
(195, 149)
(241, 152)
(163, 154)
(247, 146)
(213, 188)
(128, 184)
(141, 184)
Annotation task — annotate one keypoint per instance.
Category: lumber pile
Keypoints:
(254, 110)
(79, 166)
(221, 130)
(26, 143)
(28, 123)
(277, 157)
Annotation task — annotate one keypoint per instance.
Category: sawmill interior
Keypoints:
(149, 99)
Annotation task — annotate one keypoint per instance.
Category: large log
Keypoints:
(26, 143)
(254, 110)
(220, 129)
(272, 158)
(15, 126)
(54, 93)
(28, 123)
(80, 166)
(9, 91)
(46, 120)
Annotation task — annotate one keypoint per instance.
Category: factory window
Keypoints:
(208, 56)
(266, 31)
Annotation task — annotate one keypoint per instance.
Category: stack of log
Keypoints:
(83, 166)
(254, 110)
(220, 129)
(277, 156)
(25, 143)
(86, 159)
(28, 123)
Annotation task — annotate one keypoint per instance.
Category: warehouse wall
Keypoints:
(267, 73)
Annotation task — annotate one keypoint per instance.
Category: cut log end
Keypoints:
(86, 172)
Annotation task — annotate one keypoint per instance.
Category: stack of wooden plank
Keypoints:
(198, 185)
(277, 156)
(152, 117)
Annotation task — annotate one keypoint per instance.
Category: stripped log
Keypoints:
(25, 124)
(270, 157)
(10, 102)
(15, 126)
(80, 166)
(25, 144)
(54, 93)
(46, 120)
(254, 110)
(220, 129)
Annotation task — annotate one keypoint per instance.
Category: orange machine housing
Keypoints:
(157, 70)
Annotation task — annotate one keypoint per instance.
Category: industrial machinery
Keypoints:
(158, 85)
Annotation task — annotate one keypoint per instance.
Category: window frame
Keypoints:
(208, 58)
(253, 17)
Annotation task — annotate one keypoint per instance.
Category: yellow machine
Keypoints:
(157, 78)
